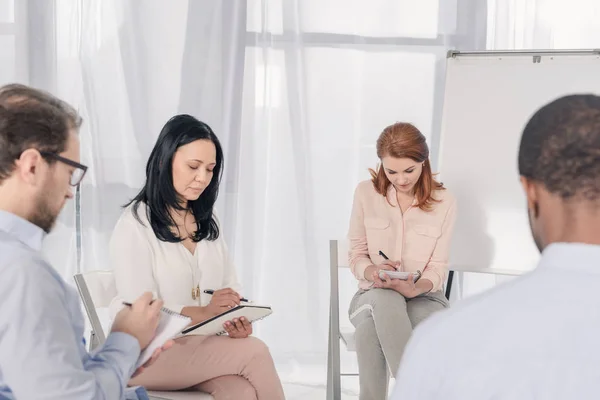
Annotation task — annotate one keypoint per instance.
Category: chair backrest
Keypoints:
(97, 289)
(342, 253)
(338, 258)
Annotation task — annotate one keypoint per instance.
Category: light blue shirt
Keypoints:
(536, 337)
(42, 353)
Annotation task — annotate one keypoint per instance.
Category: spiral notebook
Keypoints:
(171, 323)
(214, 325)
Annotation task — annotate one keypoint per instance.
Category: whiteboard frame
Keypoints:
(533, 53)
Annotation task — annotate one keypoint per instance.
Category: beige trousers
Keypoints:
(384, 321)
(227, 368)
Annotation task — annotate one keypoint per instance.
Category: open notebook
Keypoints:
(171, 323)
(214, 325)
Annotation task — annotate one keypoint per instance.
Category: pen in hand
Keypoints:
(382, 254)
(211, 292)
(418, 273)
(131, 305)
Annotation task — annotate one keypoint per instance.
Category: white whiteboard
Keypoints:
(488, 100)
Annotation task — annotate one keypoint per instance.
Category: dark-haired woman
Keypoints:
(402, 220)
(168, 241)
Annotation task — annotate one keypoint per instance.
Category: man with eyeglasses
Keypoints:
(42, 354)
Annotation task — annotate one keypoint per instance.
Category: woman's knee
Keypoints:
(384, 297)
(257, 347)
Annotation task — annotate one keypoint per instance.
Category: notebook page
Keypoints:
(170, 324)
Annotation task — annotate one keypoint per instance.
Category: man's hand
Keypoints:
(155, 355)
(238, 328)
(372, 271)
(140, 320)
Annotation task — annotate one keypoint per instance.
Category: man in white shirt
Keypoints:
(42, 354)
(536, 337)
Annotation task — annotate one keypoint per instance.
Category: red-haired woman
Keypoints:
(405, 215)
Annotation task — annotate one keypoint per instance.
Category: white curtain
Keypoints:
(297, 91)
(543, 24)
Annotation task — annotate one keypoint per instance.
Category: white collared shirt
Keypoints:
(537, 337)
(144, 263)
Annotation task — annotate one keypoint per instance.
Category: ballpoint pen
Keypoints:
(211, 292)
(418, 273)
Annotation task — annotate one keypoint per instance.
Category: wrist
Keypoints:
(368, 274)
(205, 312)
(196, 313)
(424, 286)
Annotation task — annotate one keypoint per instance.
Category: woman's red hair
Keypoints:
(404, 140)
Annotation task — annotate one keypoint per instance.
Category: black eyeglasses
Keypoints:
(78, 173)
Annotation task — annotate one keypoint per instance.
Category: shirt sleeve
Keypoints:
(358, 255)
(132, 259)
(437, 268)
(419, 372)
(40, 357)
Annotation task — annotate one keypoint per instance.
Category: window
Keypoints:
(12, 48)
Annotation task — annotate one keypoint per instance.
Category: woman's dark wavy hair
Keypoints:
(158, 192)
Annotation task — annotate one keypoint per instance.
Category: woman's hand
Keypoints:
(407, 288)
(238, 328)
(222, 300)
(372, 271)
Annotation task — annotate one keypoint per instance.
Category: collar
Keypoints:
(572, 257)
(393, 199)
(24, 231)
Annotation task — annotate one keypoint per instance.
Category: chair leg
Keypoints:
(337, 384)
(94, 342)
(449, 284)
(334, 389)
(329, 365)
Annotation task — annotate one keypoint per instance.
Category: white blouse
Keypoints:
(143, 263)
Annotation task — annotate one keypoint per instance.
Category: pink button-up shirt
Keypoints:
(419, 239)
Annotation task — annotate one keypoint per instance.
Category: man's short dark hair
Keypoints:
(32, 118)
(560, 147)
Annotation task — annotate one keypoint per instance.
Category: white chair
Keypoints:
(338, 258)
(97, 289)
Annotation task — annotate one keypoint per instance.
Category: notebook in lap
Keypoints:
(214, 325)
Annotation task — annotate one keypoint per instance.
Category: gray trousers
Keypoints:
(384, 321)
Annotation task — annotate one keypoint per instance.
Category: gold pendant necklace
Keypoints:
(196, 292)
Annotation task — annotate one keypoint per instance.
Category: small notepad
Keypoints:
(171, 323)
(214, 325)
(400, 275)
